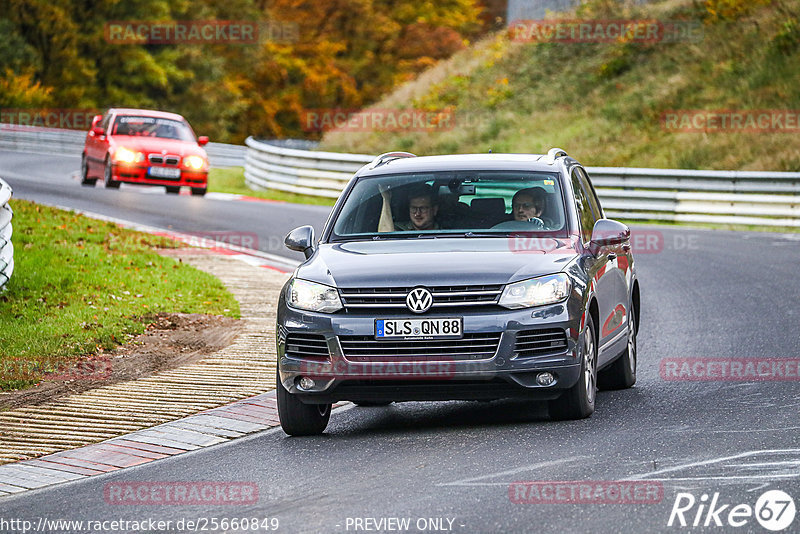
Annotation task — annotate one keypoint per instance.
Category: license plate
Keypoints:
(164, 172)
(439, 328)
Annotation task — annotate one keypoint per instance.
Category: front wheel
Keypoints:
(198, 191)
(578, 401)
(298, 419)
(108, 177)
(622, 373)
(173, 190)
(85, 180)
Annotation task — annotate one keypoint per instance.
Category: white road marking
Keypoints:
(781, 467)
(540, 465)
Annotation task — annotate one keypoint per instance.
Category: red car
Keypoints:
(139, 146)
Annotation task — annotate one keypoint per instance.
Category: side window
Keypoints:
(104, 123)
(590, 194)
(585, 214)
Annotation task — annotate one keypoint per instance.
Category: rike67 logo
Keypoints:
(774, 510)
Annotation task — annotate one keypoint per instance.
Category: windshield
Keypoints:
(152, 127)
(482, 203)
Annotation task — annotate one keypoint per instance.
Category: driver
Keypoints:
(423, 206)
(528, 205)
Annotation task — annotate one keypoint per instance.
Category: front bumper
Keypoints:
(137, 174)
(504, 374)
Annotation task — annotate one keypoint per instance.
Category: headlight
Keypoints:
(194, 162)
(536, 291)
(310, 296)
(126, 155)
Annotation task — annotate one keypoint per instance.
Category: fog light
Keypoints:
(545, 379)
(305, 383)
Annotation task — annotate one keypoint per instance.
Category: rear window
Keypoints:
(450, 203)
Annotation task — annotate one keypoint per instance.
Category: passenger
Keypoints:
(423, 206)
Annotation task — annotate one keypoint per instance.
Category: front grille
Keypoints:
(540, 342)
(306, 346)
(443, 296)
(470, 347)
(168, 159)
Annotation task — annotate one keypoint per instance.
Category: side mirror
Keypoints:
(609, 233)
(302, 240)
(202, 140)
(96, 130)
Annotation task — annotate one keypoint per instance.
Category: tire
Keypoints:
(173, 190)
(622, 373)
(108, 179)
(370, 404)
(298, 419)
(198, 191)
(578, 401)
(85, 180)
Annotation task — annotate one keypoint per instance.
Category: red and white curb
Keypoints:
(211, 427)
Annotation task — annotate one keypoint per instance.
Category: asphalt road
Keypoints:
(704, 294)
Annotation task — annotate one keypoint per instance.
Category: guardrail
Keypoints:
(6, 247)
(70, 142)
(722, 197)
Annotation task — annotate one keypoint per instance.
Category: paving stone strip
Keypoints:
(116, 415)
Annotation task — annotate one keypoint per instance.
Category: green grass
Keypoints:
(231, 180)
(82, 286)
(603, 103)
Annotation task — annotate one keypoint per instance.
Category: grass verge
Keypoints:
(231, 180)
(82, 286)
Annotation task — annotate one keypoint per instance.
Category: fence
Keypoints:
(6, 247)
(722, 197)
(70, 142)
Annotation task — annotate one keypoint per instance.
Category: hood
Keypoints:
(158, 145)
(436, 262)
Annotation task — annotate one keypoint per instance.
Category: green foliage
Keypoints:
(81, 287)
(335, 54)
(787, 40)
(604, 103)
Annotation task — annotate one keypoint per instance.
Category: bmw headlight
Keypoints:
(536, 292)
(194, 162)
(126, 155)
(311, 296)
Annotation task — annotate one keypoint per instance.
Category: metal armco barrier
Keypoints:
(308, 172)
(70, 142)
(6, 247)
(722, 197)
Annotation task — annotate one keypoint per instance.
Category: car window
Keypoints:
(104, 122)
(591, 194)
(585, 215)
(493, 203)
(138, 126)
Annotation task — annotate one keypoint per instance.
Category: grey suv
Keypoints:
(471, 277)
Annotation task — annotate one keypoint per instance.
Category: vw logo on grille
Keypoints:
(419, 300)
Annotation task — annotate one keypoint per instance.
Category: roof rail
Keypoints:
(552, 155)
(389, 156)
